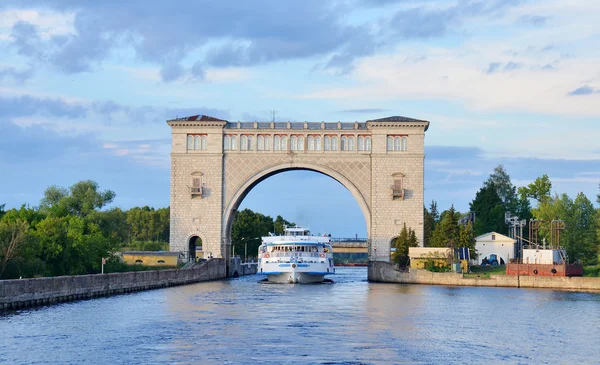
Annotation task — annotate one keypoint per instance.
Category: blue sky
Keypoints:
(86, 87)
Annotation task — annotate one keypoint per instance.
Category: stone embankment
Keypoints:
(39, 291)
(239, 268)
(386, 273)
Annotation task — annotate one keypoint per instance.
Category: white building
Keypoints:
(493, 243)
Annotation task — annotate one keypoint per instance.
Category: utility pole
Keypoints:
(272, 113)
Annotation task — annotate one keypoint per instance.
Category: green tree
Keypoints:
(12, 237)
(113, 225)
(2, 212)
(578, 237)
(467, 238)
(412, 238)
(435, 214)
(430, 219)
(428, 227)
(279, 223)
(148, 224)
(446, 232)
(401, 245)
(81, 199)
(489, 210)
(538, 190)
(506, 191)
(248, 227)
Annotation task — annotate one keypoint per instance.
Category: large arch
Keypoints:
(386, 183)
(246, 187)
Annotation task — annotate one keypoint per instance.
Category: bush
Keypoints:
(593, 271)
(152, 246)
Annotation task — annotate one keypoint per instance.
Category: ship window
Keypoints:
(160, 261)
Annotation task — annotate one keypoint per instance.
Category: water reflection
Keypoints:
(352, 321)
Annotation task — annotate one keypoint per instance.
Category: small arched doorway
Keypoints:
(194, 246)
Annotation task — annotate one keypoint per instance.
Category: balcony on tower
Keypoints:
(398, 187)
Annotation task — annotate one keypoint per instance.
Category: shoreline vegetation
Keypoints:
(72, 230)
(497, 196)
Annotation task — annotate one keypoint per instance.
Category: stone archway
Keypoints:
(194, 245)
(244, 189)
(386, 180)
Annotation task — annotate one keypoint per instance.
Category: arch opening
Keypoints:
(194, 249)
(242, 192)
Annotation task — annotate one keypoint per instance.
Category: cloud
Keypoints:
(26, 39)
(23, 107)
(454, 174)
(497, 66)
(260, 33)
(26, 105)
(232, 34)
(532, 20)
(584, 90)
(435, 21)
(18, 75)
(31, 159)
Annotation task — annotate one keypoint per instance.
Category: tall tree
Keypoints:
(81, 199)
(428, 227)
(504, 188)
(2, 212)
(538, 190)
(406, 239)
(583, 244)
(248, 228)
(446, 231)
(467, 238)
(489, 210)
(279, 223)
(12, 236)
(401, 243)
(433, 210)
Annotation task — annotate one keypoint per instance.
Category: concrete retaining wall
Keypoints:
(386, 273)
(240, 269)
(39, 291)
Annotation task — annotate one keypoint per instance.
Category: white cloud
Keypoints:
(49, 23)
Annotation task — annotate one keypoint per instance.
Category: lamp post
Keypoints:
(246, 245)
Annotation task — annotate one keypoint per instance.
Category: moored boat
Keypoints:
(295, 257)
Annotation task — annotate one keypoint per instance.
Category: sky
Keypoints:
(86, 88)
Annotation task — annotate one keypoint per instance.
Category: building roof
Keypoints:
(388, 122)
(200, 118)
(498, 235)
(151, 253)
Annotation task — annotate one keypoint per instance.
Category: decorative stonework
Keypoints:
(228, 175)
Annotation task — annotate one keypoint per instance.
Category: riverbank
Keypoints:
(386, 273)
(21, 293)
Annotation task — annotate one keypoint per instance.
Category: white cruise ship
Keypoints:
(295, 257)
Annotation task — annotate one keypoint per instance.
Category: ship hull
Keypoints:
(294, 277)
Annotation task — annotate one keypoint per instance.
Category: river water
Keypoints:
(351, 321)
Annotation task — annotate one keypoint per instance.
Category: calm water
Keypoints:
(350, 322)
